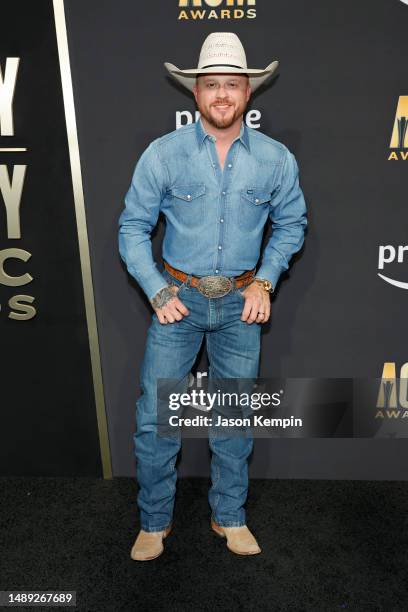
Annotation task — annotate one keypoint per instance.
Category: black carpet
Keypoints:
(327, 545)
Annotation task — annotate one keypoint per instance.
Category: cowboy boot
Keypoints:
(149, 544)
(239, 539)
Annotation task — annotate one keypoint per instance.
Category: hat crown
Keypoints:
(222, 49)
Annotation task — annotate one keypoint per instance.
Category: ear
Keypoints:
(248, 92)
(195, 89)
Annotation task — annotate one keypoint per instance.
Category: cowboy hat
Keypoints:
(223, 53)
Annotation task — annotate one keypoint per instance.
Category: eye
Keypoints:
(210, 85)
(233, 84)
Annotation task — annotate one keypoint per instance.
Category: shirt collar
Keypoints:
(202, 134)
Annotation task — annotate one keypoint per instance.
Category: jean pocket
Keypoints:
(181, 288)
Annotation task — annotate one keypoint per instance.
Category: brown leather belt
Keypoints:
(212, 286)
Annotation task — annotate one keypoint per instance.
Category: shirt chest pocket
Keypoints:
(187, 202)
(254, 208)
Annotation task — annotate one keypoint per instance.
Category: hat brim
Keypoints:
(187, 78)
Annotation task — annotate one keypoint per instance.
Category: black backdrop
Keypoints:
(333, 104)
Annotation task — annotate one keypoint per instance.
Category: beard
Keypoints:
(222, 120)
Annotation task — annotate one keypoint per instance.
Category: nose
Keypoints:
(222, 92)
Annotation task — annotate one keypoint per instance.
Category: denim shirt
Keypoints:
(214, 217)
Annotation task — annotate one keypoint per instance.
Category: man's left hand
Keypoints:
(257, 304)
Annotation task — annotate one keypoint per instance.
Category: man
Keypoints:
(217, 182)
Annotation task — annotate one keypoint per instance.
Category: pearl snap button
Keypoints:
(256, 200)
(189, 197)
(220, 247)
(229, 165)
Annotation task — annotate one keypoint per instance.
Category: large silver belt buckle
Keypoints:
(214, 286)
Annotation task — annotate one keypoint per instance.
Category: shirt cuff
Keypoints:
(152, 284)
(155, 288)
(269, 272)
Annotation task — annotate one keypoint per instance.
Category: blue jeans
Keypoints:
(233, 348)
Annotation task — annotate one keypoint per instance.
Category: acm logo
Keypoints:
(399, 136)
(217, 9)
(392, 403)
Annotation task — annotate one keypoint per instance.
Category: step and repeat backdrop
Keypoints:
(83, 91)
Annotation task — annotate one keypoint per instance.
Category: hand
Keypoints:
(257, 301)
(172, 309)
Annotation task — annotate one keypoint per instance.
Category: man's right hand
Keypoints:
(171, 308)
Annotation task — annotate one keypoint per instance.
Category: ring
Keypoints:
(261, 313)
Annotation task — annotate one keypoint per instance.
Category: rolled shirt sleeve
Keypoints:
(138, 219)
(288, 217)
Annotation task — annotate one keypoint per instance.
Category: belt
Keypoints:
(214, 285)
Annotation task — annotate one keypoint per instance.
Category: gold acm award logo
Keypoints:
(392, 402)
(216, 9)
(399, 136)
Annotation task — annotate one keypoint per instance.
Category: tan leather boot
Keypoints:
(149, 545)
(239, 539)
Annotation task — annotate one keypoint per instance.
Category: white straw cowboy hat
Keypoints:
(222, 52)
